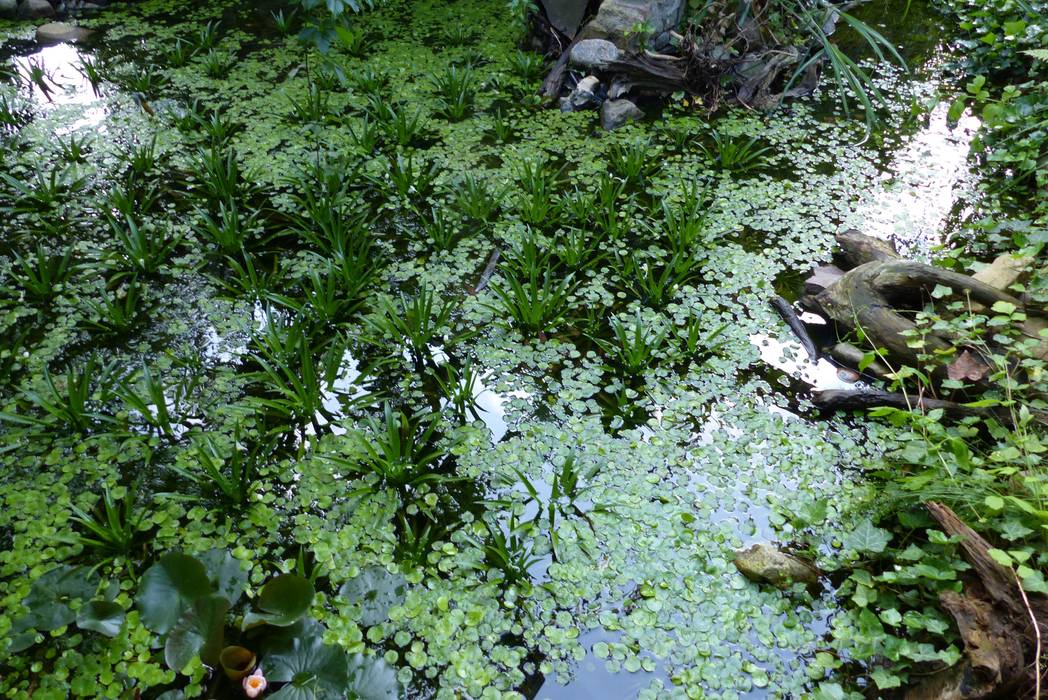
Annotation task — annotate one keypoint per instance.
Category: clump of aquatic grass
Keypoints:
(632, 348)
(148, 397)
(74, 150)
(535, 300)
(540, 183)
(146, 81)
(179, 53)
(440, 229)
(248, 279)
(37, 75)
(314, 106)
(216, 126)
(332, 290)
(456, 91)
(92, 71)
(697, 340)
(295, 372)
(655, 282)
(216, 64)
(405, 179)
(501, 125)
(68, 402)
(114, 526)
(401, 451)
(207, 36)
(332, 229)
(418, 324)
(577, 248)
(42, 275)
(458, 34)
(140, 158)
(526, 65)
(632, 163)
(351, 40)
(510, 550)
(142, 248)
(118, 308)
(132, 197)
(228, 470)
(283, 23)
(219, 173)
(230, 229)
(44, 191)
(365, 134)
(605, 214)
(459, 386)
(735, 153)
(371, 81)
(684, 223)
(400, 126)
(13, 114)
(475, 199)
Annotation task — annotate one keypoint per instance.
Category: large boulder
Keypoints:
(36, 9)
(59, 32)
(619, 20)
(8, 8)
(593, 54)
(616, 113)
(565, 15)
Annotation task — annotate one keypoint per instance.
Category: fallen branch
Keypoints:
(489, 271)
(785, 310)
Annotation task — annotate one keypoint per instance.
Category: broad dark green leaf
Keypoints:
(228, 579)
(48, 601)
(376, 590)
(102, 616)
(284, 600)
(199, 632)
(168, 588)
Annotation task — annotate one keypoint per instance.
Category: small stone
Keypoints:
(764, 563)
(584, 96)
(594, 54)
(60, 32)
(847, 375)
(36, 9)
(616, 113)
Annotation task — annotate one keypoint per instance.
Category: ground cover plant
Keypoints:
(333, 364)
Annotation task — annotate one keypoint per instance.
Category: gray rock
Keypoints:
(566, 15)
(617, 20)
(36, 9)
(766, 564)
(584, 96)
(8, 8)
(59, 32)
(593, 54)
(615, 113)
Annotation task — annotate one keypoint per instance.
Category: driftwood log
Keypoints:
(1001, 626)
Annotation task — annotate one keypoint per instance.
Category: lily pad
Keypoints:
(102, 616)
(199, 632)
(284, 600)
(376, 590)
(228, 578)
(168, 588)
(50, 595)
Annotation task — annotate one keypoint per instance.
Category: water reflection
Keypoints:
(63, 86)
(791, 358)
(927, 177)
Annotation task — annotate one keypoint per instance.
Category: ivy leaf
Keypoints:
(102, 616)
(199, 632)
(866, 537)
(284, 600)
(885, 678)
(168, 588)
(376, 590)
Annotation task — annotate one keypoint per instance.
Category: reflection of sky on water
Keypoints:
(791, 358)
(69, 89)
(921, 187)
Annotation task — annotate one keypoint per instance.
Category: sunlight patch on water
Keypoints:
(66, 86)
(927, 178)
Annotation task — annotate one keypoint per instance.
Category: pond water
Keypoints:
(623, 585)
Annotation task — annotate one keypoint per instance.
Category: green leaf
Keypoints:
(199, 632)
(300, 658)
(866, 537)
(1003, 307)
(283, 600)
(376, 590)
(371, 678)
(994, 503)
(48, 601)
(885, 678)
(956, 110)
(228, 578)
(102, 616)
(168, 588)
(1000, 556)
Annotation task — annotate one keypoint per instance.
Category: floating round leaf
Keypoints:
(371, 678)
(168, 588)
(199, 632)
(228, 578)
(311, 668)
(283, 600)
(237, 662)
(102, 616)
(376, 590)
(49, 597)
